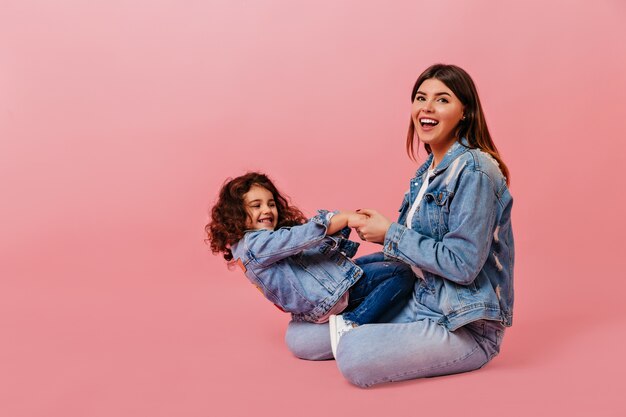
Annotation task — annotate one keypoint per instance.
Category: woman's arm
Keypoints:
(464, 249)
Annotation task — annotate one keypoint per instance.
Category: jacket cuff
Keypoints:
(323, 217)
(392, 240)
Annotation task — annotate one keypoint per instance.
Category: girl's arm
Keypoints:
(342, 219)
(267, 247)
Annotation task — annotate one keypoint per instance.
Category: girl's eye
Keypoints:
(419, 98)
(443, 100)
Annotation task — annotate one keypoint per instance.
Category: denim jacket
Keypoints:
(461, 237)
(299, 268)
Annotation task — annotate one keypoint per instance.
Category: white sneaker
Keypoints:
(338, 327)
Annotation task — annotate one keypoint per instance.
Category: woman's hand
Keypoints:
(371, 228)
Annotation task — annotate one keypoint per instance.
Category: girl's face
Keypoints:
(261, 208)
(436, 113)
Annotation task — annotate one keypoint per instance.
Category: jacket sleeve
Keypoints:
(463, 251)
(268, 247)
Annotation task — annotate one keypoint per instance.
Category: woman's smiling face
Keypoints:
(436, 113)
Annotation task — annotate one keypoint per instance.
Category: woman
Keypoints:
(454, 229)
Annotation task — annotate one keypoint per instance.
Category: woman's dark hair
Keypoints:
(473, 127)
(228, 215)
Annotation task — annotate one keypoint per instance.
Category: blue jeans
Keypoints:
(412, 344)
(383, 285)
(377, 353)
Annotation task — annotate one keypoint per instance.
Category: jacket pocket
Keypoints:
(474, 291)
(439, 211)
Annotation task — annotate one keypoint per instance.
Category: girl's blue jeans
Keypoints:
(383, 285)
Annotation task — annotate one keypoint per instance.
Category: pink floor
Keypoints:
(200, 341)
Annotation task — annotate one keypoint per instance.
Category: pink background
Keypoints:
(119, 120)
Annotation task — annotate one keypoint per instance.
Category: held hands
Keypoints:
(370, 225)
(343, 219)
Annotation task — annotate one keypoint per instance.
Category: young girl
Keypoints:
(303, 267)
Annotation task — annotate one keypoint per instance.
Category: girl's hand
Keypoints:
(343, 219)
(373, 228)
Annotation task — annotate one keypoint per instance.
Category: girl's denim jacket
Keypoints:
(299, 268)
(460, 237)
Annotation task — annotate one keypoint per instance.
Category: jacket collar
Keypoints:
(455, 150)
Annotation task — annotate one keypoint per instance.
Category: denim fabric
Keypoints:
(299, 268)
(461, 237)
(413, 344)
(376, 353)
(382, 285)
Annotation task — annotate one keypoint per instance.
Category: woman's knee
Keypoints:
(354, 362)
(354, 370)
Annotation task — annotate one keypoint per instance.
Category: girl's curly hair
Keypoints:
(228, 215)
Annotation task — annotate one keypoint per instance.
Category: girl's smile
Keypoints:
(261, 208)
